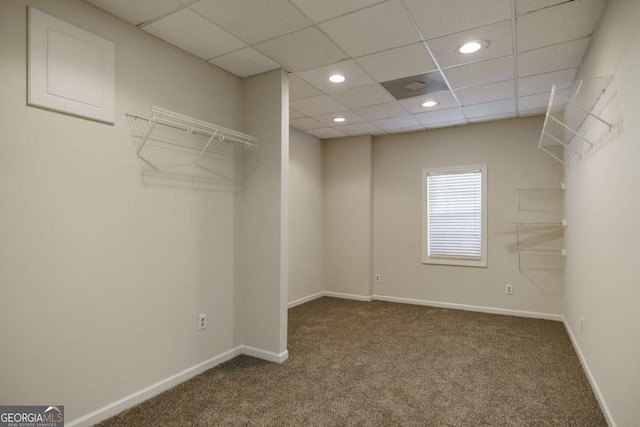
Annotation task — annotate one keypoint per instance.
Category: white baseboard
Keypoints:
(264, 354)
(153, 390)
(478, 308)
(592, 380)
(454, 306)
(348, 296)
(165, 384)
(308, 298)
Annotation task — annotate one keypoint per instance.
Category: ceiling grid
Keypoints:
(526, 46)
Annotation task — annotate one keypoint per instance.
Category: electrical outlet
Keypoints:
(202, 322)
(509, 290)
(378, 278)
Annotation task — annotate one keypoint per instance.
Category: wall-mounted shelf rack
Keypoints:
(176, 149)
(542, 261)
(542, 199)
(569, 114)
(540, 236)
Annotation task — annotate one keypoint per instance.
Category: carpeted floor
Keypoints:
(383, 364)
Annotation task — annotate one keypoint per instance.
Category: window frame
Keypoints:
(482, 262)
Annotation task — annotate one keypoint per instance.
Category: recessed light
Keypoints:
(337, 78)
(339, 119)
(429, 104)
(472, 46)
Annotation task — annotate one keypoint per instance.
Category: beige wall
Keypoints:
(264, 225)
(347, 212)
(509, 148)
(306, 216)
(603, 201)
(102, 278)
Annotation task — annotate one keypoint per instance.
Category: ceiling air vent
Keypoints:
(414, 86)
(422, 84)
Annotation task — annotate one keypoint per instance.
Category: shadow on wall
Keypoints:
(181, 154)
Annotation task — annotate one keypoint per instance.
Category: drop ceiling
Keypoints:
(531, 44)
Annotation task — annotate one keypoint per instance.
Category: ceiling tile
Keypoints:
(397, 63)
(442, 116)
(533, 102)
(317, 105)
(319, 77)
(245, 62)
(373, 29)
(498, 36)
(487, 93)
(365, 128)
(326, 9)
(253, 20)
(295, 114)
(490, 108)
(300, 89)
(302, 50)
(524, 6)
(193, 33)
(397, 123)
(350, 117)
(492, 118)
(558, 24)
(381, 111)
(137, 12)
(445, 100)
(362, 96)
(326, 133)
(542, 82)
(437, 17)
(552, 58)
(306, 123)
(480, 73)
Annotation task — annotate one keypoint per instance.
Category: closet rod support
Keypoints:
(571, 101)
(146, 138)
(571, 130)
(563, 143)
(552, 155)
(205, 148)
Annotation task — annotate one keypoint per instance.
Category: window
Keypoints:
(455, 216)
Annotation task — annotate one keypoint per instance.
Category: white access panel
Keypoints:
(70, 70)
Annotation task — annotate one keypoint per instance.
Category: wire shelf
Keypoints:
(542, 200)
(178, 150)
(569, 114)
(542, 261)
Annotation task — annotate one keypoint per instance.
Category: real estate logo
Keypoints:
(32, 416)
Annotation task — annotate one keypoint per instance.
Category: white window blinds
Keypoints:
(454, 215)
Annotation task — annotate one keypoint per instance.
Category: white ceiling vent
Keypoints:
(422, 84)
(414, 86)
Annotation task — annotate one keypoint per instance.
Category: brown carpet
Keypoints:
(383, 364)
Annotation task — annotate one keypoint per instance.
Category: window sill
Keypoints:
(456, 262)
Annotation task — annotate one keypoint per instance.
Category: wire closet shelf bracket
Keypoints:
(179, 148)
(570, 115)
